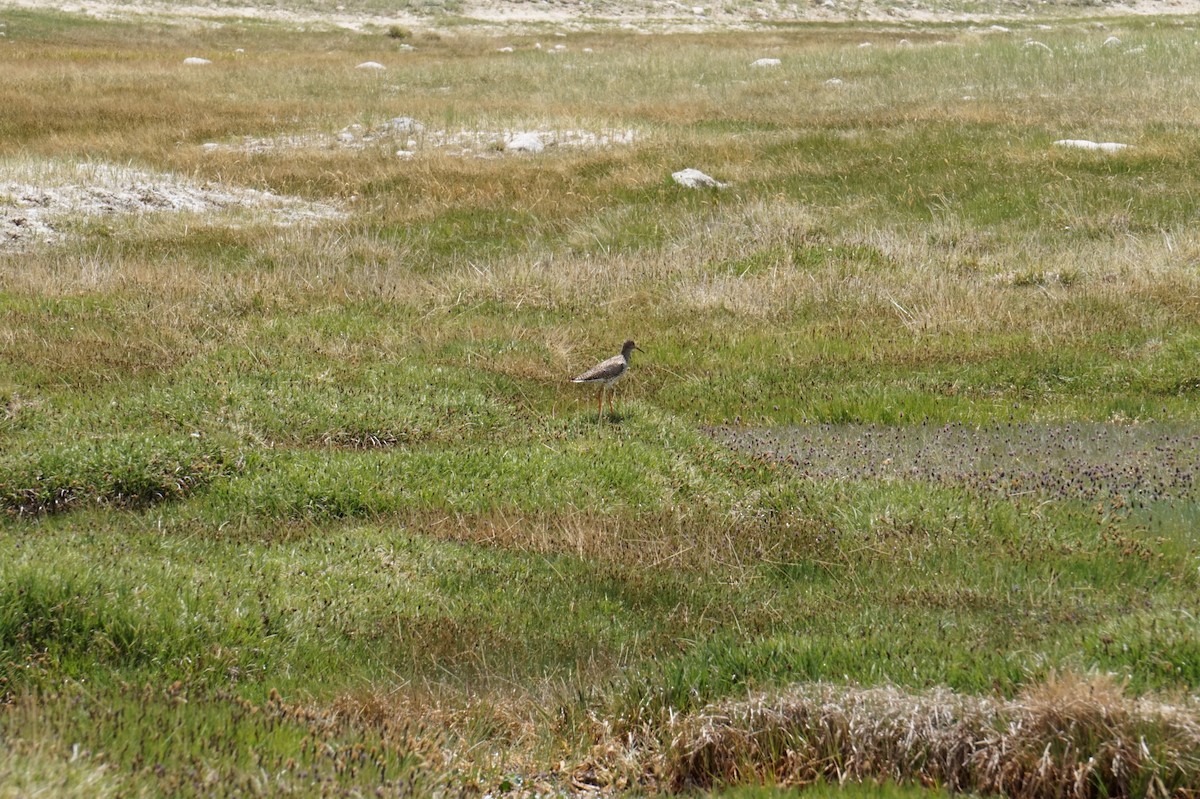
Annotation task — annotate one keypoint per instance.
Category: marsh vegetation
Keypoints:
(296, 497)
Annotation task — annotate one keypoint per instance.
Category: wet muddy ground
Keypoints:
(1143, 462)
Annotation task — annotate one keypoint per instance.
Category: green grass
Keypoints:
(305, 508)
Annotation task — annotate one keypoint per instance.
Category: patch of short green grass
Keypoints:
(126, 470)
(112, 739)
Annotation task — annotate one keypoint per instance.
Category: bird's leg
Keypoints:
(600, 402)
(611, 393)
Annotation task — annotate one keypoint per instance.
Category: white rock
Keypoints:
(240, 51)
(695, 179)
(560, 47)
(1035, 44)
(209, 146)
(403, 125)
(405, 153)
(370, 65)
(504, 50)
(588, 50)
(865, 44)
(1085, 144)
(525, 143)
(834, 82)
(767, 62)
(196, 62)
(1111, 41)
(998, 29)
(698, 10)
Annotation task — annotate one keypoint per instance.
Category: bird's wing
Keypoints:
(605, 370)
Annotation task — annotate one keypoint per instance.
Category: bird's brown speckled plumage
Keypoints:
(608, 372)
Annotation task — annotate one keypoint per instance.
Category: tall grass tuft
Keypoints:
(1073, 737)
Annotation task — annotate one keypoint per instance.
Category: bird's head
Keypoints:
(629, 347)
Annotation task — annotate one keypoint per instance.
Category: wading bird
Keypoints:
(608, 372)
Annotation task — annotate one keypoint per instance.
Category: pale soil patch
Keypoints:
(39, 200)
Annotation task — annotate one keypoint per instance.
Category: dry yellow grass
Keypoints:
(1073, 736)
(35, 770)
(740, 548)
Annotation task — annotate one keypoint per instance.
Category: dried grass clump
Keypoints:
(703, 541)
(1068, 738)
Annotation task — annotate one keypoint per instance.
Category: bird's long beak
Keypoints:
(639, 349)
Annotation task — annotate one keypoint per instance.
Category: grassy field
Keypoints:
(296, 497)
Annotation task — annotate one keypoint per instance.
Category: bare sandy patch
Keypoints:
(40, 200)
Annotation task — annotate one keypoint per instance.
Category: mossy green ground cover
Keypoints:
(314, 508)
